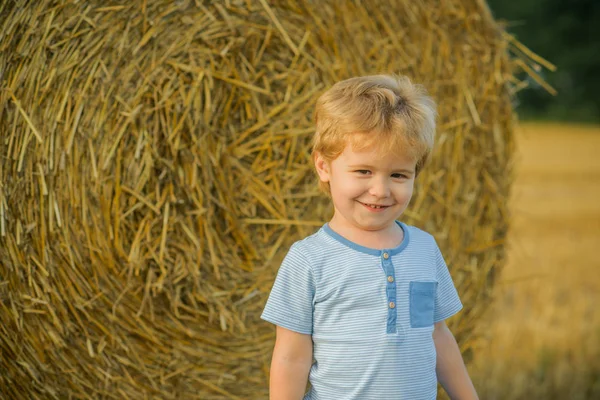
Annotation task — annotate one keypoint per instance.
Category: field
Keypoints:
(543, 332)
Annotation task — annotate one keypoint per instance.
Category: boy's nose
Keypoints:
(380, 188)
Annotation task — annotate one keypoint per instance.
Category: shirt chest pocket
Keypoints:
(422, 303)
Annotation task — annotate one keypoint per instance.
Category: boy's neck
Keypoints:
(386, 238)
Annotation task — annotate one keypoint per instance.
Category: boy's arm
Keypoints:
(451, 371)
(292, 359)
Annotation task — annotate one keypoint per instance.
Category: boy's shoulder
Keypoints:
(420, 240)
(311, 243)
(418, 233)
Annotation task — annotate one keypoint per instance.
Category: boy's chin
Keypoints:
(374, 227)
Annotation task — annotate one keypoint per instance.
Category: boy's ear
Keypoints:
(322, 167)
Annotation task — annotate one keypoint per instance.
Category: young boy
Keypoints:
(360, 305)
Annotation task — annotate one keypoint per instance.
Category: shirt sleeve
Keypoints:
(447, 302)
(290, 303)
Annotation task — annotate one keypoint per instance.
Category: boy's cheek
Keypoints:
(343, 183)
(351, 188)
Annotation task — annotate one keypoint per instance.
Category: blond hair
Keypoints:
(385, 112)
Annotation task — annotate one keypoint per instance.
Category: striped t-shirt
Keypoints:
(370, 313)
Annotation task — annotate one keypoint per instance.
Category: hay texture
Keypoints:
(155, 168)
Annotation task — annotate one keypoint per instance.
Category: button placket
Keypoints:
(388, 267)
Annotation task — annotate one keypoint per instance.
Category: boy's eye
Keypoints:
(363, 171)
(398, 176)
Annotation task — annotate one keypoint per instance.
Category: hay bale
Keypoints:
(155, 168)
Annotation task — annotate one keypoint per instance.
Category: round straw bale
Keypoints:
(155, 168)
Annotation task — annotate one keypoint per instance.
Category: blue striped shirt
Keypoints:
(370, 313)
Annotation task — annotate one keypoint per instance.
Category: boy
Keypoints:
(360, 305)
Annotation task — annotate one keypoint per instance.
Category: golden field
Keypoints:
(542, 335)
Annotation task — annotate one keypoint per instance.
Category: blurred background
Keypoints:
(566, 34)
(542, 336)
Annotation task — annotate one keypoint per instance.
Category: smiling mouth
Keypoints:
(374, 206)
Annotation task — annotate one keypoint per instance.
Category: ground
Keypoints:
(543, 331)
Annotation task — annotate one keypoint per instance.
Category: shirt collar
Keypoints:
(368, 250)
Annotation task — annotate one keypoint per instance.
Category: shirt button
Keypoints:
(392, 304)
(390, 279)
(386, 255)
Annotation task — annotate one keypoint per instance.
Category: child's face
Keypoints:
(369, 191)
